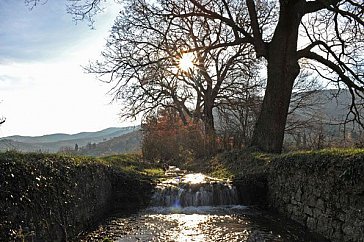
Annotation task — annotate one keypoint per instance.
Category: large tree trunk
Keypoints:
(208, 120)
(283, 69)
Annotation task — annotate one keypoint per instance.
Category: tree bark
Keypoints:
(208, 120)
(283, 68)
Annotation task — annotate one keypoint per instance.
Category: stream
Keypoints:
(195, 207)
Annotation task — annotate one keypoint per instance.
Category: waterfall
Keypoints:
(194, 190)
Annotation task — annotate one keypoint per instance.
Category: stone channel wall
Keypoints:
(322, 191)
(252, 189)
(55, 198)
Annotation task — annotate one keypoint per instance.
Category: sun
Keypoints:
(186, 62)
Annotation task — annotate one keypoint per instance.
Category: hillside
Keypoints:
(330, 106)
(54, 142)
(319, 122)
(127, 143)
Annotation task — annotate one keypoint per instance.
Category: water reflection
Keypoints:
(199, 224)
(188, 226)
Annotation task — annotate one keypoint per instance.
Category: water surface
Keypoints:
(200, 224)
(198, 208)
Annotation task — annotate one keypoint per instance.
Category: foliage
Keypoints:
(168, 139)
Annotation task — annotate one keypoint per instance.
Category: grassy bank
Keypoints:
(238, 163)
(133, 164)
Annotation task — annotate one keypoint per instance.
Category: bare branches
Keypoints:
(355, 90)
(141, 59)
(84, 9)
(149, 37)
(336, 47)
(33, 3)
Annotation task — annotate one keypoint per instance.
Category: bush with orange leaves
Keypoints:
(168, 139)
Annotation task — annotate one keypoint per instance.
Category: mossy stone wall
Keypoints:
(54, 198)
(323, 191)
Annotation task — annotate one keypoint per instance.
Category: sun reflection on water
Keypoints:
(188, 226)
(198, 224)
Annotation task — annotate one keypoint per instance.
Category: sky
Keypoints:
(43, 87)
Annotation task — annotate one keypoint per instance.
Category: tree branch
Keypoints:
(336, 68)
(260, 46)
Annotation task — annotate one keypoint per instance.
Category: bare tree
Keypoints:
(327, 34)
(143, 55)
(236, 119)
(331, 35)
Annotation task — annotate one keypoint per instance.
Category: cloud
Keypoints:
(15, 81)
(39, 34)
(42, 85)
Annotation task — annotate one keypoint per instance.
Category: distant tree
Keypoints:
(237, 118)
(66, 150)
(88, 146)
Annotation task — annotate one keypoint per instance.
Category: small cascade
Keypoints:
(194, 190)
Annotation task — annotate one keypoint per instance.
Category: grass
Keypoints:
(231, 164)
(328, 152)
(228, 164)
(237, 163)
(133, 164)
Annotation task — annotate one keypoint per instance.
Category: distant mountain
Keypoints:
(331, 105)
(54, 142)
(127, 143)
(322, 121)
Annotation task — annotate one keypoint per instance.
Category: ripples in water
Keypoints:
(200, 224)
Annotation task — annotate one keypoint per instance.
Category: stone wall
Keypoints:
(54, 198)
(323, 191)
(252, 189)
